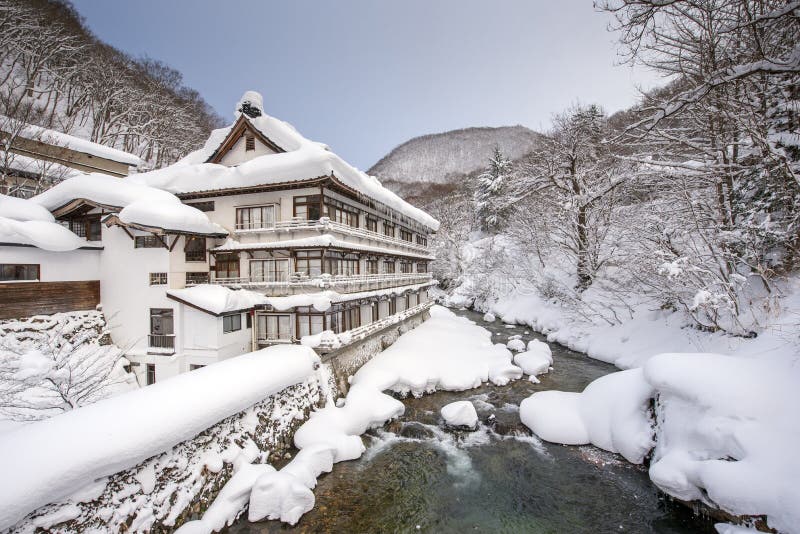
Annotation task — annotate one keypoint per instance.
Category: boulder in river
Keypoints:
(460, 415)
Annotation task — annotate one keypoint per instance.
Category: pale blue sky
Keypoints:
(366, 75)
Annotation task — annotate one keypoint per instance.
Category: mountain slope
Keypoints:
(437, 162)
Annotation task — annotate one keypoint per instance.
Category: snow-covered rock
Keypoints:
(460, 414)
(489, 317)
(516, 345)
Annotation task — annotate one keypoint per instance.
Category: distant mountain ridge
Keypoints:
(435, 163)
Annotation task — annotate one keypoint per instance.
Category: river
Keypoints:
(415, 477)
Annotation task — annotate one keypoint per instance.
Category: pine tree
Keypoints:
(490, 200)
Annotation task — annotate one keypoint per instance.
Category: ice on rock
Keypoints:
(460, 414)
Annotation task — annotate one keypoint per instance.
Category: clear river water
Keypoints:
(417, 477)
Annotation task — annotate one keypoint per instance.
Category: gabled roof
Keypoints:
(241, 126)
(300, 160)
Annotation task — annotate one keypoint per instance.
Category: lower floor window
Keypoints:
(231, 323)
(15, 272)
(310, 324)
(274, 327)
(196, 278)
(151, 374)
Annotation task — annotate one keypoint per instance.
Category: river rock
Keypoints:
(460, 415)
(415, 430)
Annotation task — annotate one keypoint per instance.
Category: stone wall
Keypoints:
(345, 361)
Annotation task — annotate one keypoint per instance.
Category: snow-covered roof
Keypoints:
(217, 299)
(324, 240)
(77, 144)
(25, 164)
(23, 222)
(138, 204)
(302, 160)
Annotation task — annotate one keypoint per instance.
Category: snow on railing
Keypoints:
(356, 334)
(323, 281)
(325, 224)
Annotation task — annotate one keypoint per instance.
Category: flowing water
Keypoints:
(417, 477)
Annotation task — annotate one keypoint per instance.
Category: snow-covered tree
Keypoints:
(491, 193)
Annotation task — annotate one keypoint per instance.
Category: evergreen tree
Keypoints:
(490, 197)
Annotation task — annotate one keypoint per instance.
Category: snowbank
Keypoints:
(460, 414)
(302, 160)
(218, 299)
(725, 432)
(106, 437)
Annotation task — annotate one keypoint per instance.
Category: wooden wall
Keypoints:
(23, 299)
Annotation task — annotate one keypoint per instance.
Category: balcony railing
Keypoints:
(325, 224)
(325, 281)
(164, 343)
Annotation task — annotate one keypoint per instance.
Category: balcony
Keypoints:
(300, 283)
(326, 225)
(161, 343)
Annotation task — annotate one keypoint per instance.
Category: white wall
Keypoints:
(203, 340)
(237, 154)
(72, 266)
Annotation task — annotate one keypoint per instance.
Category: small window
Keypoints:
(202, 206)
(151, 374)
(193, 279)
(255, 217)
(195, 248)
(249, 319)
(372, 224)
(249, 142)
(405, 235)
(231, 323)
(195, 367)
(388, 229)
(388, 267)
(19, 272)
(158, 279)
(421, 240)
(147, 241)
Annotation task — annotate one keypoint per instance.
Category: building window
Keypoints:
(255, 217)
(422, 267)
(308, 207)
(405, 235)
(274, 327)
(388, 229)
(343, 216)
(231, 323)
(310, 324)
(87, 227)
(249, 142)
(406, 267)
(19, 272)
(422, 240)
(202, 206)
(309, 263)
(195, 248)
(162, 333)
(151, 374)
(227, 266)
(341, 264)
(372, 224)
(147, 241)
(249, 316)
(195, 367)
(158, 279)
(193, 279)
(269, 270)
(392, 305)
(371, 266)
(388, 267)
(375, 311)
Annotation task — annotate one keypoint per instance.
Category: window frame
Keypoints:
(250, 225)
(231, 322)
(147, 241)
(25, 266)
(159, 279)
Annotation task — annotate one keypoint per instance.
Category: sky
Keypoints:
(363, 76)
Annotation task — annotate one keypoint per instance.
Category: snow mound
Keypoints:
(611, 413)
(251, 99)
(172, 411)
(169, 215)
(516, 345)
(21, 209)
(460, 414)
(489, 317)
(42, 234)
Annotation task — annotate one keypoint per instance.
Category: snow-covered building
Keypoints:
(39, 158)
(258, 238)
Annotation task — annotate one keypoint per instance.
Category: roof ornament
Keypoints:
(251, 104)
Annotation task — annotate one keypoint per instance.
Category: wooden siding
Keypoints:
(23, 299)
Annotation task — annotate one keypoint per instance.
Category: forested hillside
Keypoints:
(55, 73)
(686, 203)
(430, 164)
